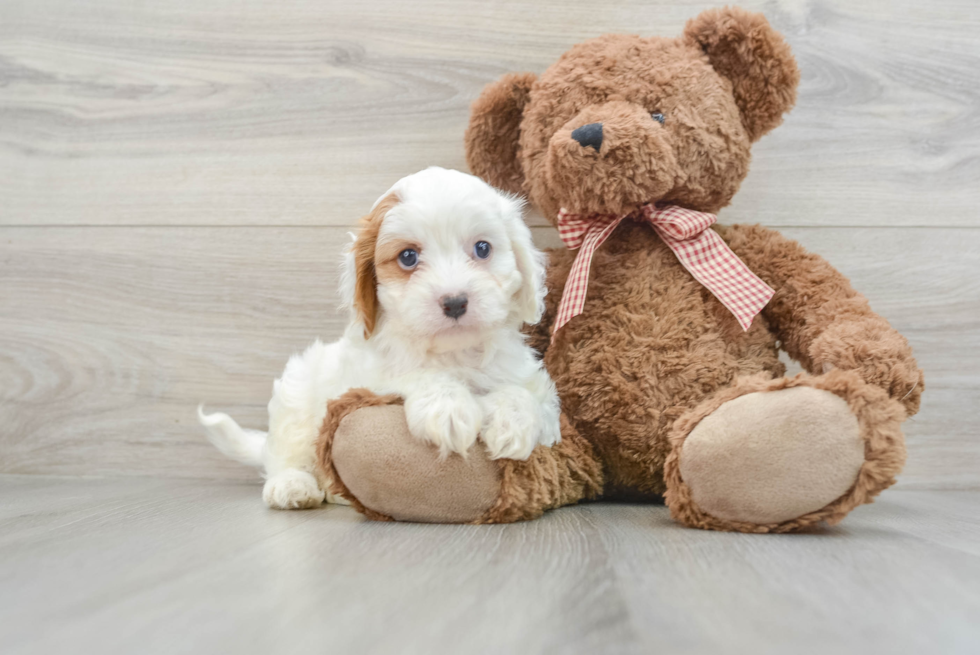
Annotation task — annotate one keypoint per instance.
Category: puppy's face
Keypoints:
(444, 257)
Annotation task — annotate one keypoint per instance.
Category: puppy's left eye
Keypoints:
(408, 258)
(481, 249)
(657, 116)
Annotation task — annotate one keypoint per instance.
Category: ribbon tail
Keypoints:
(577, 283)
(712, 263)
(573, 296)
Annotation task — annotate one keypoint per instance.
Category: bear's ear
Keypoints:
(744, 48)
(494, 133)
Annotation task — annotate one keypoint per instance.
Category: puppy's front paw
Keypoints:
(447, 417)
(512, 425)
(292, 489)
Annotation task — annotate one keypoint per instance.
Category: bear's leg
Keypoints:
(780, 455)
(367, 455)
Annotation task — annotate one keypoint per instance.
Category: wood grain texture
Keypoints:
(164, 566)
(110, 337)
(223, 112)
(170, 172)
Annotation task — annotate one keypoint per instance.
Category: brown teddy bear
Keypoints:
(661, 333)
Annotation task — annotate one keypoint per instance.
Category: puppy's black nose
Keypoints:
(454, 306)
(589, 135)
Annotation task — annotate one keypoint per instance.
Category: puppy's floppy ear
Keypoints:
(364, 298)
(744, 48)
(530, 262)
(494, 133)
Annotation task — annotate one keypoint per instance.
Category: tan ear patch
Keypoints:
(366, 282)
(386, 261)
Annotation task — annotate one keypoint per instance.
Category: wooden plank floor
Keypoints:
(177, 566)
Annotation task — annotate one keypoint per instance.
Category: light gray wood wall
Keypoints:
(176, 180)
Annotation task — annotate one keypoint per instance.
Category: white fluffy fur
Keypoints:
(459, 377)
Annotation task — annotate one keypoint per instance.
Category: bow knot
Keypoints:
(700, 250)
(678, 223)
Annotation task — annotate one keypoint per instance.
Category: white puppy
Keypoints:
(438, 281)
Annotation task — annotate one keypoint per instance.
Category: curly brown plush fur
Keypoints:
(652, 343)
(494, 137)
(552, 477)
(724, 84)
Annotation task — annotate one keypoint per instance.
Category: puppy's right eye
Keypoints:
(408, 259)
(481, 249)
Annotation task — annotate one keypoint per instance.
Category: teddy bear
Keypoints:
(662, 328)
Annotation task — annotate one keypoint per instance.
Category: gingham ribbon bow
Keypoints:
(700, 250)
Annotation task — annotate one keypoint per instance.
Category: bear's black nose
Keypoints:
(589, 135)
(454, 306)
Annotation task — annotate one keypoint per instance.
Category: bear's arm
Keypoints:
(821, 320)
(559, 264)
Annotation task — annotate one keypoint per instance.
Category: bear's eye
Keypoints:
(657, 116)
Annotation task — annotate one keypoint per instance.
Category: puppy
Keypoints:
(438, 282)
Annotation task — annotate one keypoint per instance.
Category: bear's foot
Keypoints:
(367, 455)
(781, 455)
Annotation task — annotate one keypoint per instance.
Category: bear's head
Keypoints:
(621, 120)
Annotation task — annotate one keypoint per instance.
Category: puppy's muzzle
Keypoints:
(454, 306)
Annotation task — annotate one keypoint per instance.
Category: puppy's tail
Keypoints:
(239, 444)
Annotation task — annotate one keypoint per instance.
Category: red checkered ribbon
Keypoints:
(701, 251)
